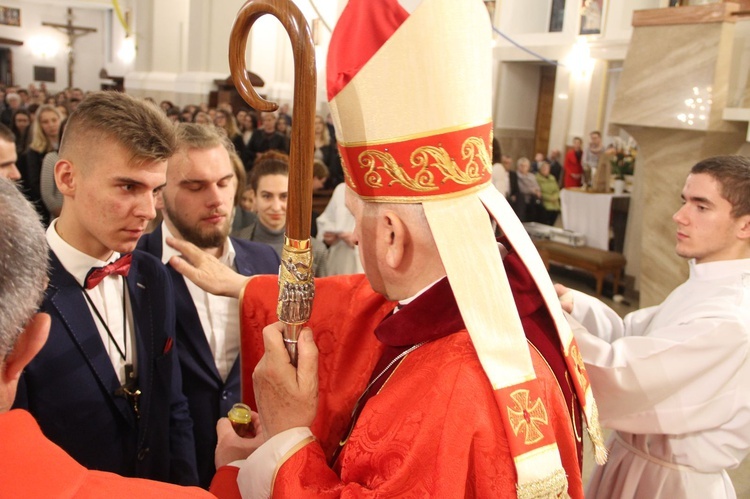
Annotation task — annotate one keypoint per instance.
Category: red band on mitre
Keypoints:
(528, 422)
(442, 164)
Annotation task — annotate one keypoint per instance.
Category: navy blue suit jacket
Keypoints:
(208, 395)
(70, 385)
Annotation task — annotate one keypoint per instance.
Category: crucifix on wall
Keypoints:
(73, 32)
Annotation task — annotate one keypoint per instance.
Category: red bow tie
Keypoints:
(121, 266)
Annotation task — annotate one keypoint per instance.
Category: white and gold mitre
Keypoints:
(409, 87)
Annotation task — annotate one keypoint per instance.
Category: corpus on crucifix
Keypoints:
(73, 32)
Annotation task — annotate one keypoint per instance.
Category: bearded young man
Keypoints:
(197, 203)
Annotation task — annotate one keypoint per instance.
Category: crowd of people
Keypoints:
(441, 364)
(533, 187)
(37, 121)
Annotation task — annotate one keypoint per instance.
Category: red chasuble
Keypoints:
(32, 466)
(434, 427)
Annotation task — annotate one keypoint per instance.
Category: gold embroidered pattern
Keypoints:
(377, 160)
(527, 417)
(552, 486)
(575, 354)
(426, 159)
(478, 158)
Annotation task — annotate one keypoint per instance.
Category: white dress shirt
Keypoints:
(107, 297)
(219, 315)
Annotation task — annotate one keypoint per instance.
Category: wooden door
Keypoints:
(545, 100)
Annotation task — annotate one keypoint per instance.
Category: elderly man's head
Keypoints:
(23, 279)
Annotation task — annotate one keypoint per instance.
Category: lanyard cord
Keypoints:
(123, 353)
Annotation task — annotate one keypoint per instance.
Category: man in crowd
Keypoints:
(8, 156)
(674, 380)
(13, 104)
(590, 159)
(433, 420)
(265, 139)
(107, 387)
(555, 167)
(196, 204)
(30, 464)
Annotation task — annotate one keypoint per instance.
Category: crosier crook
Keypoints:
(296, 285)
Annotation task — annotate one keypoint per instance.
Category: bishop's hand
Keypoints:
(286, 397)
(231, 447)
(205, 270)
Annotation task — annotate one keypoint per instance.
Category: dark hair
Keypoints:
(320, 170)
(733, 174)
(273, 165)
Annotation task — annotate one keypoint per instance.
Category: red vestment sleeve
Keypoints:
(345, 313)
(224, 483)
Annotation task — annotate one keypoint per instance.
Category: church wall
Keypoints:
(517, 93)
(94, 51)
(582, 96)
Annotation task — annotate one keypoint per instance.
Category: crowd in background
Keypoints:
(533, 187)
(37, 118)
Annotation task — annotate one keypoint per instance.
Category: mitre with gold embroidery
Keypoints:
(409, 87)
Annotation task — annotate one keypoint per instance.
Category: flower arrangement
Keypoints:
(623, 161)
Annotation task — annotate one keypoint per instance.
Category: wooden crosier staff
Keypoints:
(296, 286)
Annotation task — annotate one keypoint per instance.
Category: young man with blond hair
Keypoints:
(107, 387)
(32, 465)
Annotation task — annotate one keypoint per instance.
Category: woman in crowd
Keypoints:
(269, 180)
(325, 150)
(573, 169)
(20, 125)
(44, 138)
(285, 129)
(550, 194)
(225, 120)
(51, 195)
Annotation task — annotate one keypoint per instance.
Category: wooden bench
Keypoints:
(593, 260)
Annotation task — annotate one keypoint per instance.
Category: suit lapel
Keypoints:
(243, 261)
(66, 296)
(140, 306)
(188, 321)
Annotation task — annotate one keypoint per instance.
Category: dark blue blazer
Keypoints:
(70, 385)
(208, 395)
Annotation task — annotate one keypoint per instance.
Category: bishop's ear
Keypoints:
(28, 344)
(394, 235)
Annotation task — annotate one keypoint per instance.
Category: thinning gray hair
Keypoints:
(23, 264)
